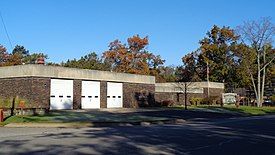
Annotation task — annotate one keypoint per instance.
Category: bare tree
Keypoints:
(183, 86)
(259, 35)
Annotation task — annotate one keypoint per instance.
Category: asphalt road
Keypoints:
(254, 135)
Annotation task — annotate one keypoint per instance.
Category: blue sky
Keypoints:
(66, 29)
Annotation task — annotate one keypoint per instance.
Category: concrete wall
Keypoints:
(194, 87)
(72, 73)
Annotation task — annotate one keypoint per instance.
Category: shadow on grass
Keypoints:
(97, 116)
(244, 110)
(158, 114)
(202, 113)
(189, 114)
(69, 116)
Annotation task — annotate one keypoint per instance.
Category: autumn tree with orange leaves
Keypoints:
(7, 59)
(132, 57)
(3, 56)
(18, 56)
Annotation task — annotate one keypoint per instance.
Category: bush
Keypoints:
(167, 103)
(7, 102)
(210, 100)
(196, 101)
(272, 98)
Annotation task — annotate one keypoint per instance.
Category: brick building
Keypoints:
(175, 91)
(52, 87)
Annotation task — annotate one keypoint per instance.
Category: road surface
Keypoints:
(244, 135)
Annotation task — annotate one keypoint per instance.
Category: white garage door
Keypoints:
(90, 98)
(61, 94)
(114, 95)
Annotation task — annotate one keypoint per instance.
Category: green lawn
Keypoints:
(101, 116)
(25, 119)
(246, 110)
(80, 117)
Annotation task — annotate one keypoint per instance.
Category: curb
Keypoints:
(93, 124)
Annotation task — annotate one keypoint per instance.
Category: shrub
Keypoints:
(142, 98)
(167, 103)
(196, 101)
(272, 98)
(210, 100)
(7, 102)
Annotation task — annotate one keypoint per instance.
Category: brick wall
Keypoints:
(40, 92)
(138, 95)
(103, 94)
(77, 86)
(177, 98)
(35, 90)
(131, 93)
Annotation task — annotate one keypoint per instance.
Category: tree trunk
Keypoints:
(259, 91)
(12, 106)
(254, 85)
(263, 84)
(185, 96)
(259, 82)
(263, 79)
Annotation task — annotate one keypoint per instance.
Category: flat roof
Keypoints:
(35, 70)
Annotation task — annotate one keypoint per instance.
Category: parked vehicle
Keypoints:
(268, 102)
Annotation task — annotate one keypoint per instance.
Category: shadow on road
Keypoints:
(224, 137)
